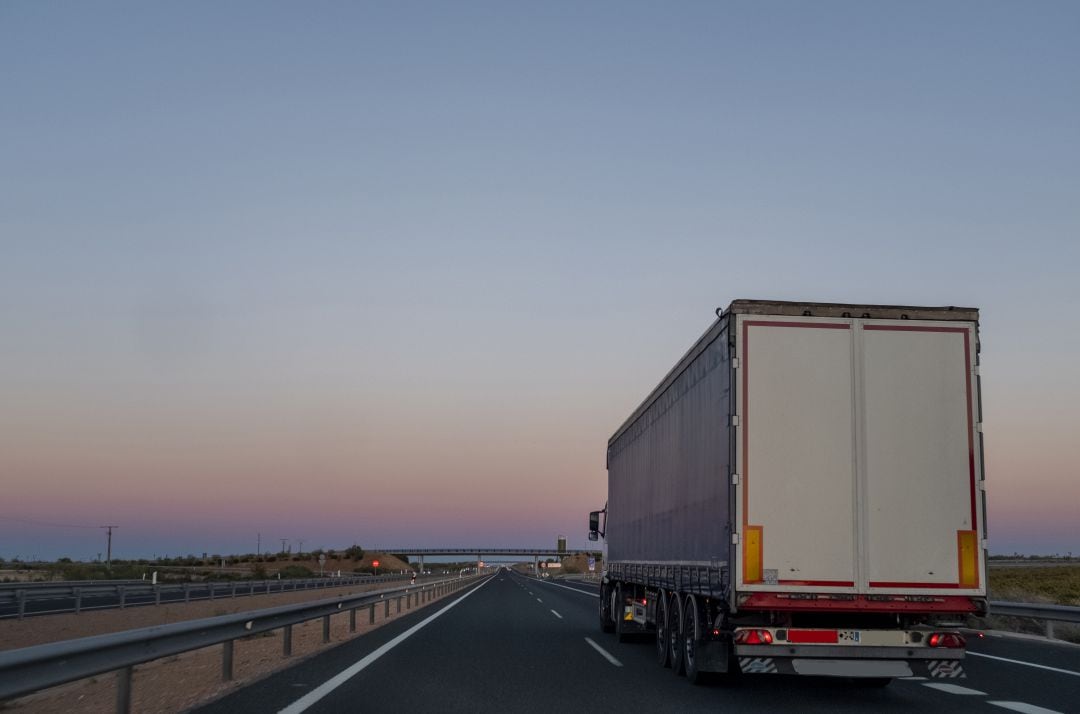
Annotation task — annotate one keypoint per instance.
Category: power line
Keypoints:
(34, 522)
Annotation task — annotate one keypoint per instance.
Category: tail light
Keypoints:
(753, 637)
(946, 639)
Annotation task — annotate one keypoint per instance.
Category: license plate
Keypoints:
(851, 636)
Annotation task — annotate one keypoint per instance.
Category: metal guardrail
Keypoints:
(1037, 611)
(32, 669)
(19, 595)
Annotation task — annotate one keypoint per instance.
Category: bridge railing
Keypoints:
(33, 669)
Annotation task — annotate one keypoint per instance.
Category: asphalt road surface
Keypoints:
(516, 644)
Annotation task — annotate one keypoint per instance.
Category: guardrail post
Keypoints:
(234, 589)
(352, 619)
(157, 594)
(387, 613)
(211, 589)
(325, 629)
(252, 591)
(286, 643)
(187, 592)
(20, 597)
(227, 660)
(371, 614)
(77, 592)
(1050, 629)
(408, 601)
(123, 690)
(398, 605)
(123, 595)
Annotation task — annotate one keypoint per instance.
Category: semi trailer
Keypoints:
(803, 493)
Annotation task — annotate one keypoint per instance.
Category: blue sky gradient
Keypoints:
(330, 269)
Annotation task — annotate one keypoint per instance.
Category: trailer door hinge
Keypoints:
(734, 362)
(734, 479)
(734, 538)
(978, 427)
(734, 419)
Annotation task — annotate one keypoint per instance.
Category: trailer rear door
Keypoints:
(856, 466)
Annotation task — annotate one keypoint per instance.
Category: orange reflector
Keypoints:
(752, 555)
(968, 546)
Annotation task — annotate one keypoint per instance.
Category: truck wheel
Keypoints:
(618, 609)
(663, 644)
(675, 630)
(606, 623)
(690, 639)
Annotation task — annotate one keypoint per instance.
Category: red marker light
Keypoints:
(946, 639)
(753, 637)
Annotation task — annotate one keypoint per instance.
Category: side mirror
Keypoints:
(593, 535)
(594, 522)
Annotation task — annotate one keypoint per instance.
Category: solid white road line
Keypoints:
(556, 614)
(605, 653)
(1026, 664)
(953, 688)
(1023, 708)
(566, 587)
(345, 675)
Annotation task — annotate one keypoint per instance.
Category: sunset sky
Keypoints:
(392, 273)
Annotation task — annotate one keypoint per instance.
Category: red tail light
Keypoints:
(946, 639)
(753, 637)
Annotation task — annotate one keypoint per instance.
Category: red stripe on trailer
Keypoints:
(819, 583)
(953, 604)
(813, 637)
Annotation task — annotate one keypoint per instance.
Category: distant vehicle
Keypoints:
(803, 493)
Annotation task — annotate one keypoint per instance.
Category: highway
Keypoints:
(518, 644)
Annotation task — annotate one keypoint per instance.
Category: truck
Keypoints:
(803, 493)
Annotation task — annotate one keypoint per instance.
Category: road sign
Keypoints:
(592, 565)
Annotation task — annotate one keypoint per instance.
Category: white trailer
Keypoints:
(803, 493)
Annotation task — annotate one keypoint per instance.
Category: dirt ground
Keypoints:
(181, 682)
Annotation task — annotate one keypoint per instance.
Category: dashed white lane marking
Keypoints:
(580, 592)
(312, 697)
(1026, 664)
(540, 601)
(953, 688)
(1024, 708)
(605, 653)
(556, 614)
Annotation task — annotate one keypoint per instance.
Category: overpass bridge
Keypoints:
(479, 553)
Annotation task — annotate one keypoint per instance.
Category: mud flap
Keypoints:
(713, 656)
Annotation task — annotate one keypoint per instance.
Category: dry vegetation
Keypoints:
(1052, 584)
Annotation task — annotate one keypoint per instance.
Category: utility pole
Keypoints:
(108, 548)
(258, 548)
(301, 552)
(283, 545)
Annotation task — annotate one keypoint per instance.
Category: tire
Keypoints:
(691, 636)
(618, 610)
(606, 623)
(675, 629)
(663, 644)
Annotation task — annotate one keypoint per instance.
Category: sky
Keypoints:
(392, 273)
